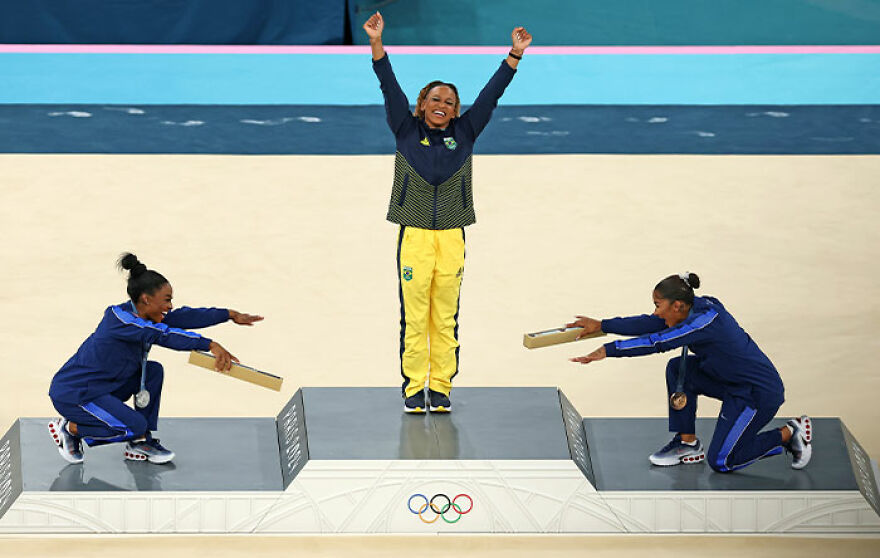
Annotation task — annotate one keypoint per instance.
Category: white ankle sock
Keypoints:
(689, 443)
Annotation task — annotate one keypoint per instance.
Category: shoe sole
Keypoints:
(689, 460)
(56, 437)
(136, 456)
(441, 409)
(414, 410)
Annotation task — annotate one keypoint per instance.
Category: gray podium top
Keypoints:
(620, 448)
(486, 423)
(212, 454)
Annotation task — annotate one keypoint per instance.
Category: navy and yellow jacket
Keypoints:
(432, 169)
(725, 351)
(111, 355)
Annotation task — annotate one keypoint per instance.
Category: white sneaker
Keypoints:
(800, 445)
(147, 450)
(676, 452)
(69, 446)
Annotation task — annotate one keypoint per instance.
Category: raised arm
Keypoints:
(374, 27)
(477, 117)
(520, 40)
(396, 106)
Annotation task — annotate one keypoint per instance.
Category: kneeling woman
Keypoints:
(111, 366)
(727, 365)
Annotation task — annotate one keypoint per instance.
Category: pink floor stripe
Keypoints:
(537, 50)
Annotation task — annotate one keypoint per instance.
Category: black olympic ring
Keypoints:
(439, 512)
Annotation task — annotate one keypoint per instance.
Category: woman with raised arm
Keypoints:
(111, 367)
(432, 201)
(726, 364)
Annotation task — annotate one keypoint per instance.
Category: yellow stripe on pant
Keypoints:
(430, 265)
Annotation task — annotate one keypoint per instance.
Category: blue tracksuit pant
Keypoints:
(108, 419)
(737, 441)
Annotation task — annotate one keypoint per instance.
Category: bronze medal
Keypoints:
(678, 400)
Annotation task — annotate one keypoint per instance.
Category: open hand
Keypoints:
(598, 354)
(374, 26)
(244, 319)
(520, 39)
(589, 324)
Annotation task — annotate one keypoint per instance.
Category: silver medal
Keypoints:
(142, 398)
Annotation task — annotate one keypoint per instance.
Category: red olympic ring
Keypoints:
(441, 512)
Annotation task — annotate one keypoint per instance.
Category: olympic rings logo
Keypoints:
(441, 510)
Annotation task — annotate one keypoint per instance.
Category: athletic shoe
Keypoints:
(676, 452)
(439, 402)
(415, 403)
(148, 450)
(69, 446)
(800, 445)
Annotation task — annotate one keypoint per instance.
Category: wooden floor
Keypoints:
(791, 245)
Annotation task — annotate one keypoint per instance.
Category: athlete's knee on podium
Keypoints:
(718, 467)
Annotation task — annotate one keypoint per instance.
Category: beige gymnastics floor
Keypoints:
(790, 244)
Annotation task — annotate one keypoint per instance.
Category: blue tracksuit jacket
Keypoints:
(114, 352)
(725, 351)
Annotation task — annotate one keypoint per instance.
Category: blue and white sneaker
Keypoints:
(676, 452)
(69, 446)
(439, 402)
(148, 450)
(415, 403)
(800, 445)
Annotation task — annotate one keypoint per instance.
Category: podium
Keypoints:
(506, 460)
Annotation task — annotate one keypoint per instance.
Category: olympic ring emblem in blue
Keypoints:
(440, 511)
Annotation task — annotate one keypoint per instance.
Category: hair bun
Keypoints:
(692, 280)
(131, 263)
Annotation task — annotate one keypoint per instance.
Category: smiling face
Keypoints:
(154, 306)
(439, 106)
(673, 312)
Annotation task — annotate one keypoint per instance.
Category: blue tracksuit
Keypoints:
(106, 370)
(727, 365)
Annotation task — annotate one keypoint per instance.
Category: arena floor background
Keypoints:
(789, 243)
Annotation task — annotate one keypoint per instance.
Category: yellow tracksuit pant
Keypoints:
(430, 265)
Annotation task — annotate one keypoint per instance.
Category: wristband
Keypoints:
(514, 56)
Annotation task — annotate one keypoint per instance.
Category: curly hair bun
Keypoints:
(130, 262)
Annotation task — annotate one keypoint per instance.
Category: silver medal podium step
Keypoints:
(348, 460)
